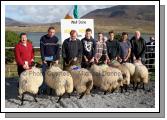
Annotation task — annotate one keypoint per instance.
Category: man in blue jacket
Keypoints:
(50, 51)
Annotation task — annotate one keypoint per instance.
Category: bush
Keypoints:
(11, 39)
(117, 37)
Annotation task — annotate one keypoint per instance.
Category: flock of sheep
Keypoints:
(107, 78)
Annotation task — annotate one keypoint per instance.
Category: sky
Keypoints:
(46, 14)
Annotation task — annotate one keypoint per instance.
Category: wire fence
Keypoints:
(11, 68)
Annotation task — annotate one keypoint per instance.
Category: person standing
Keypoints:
(89, 46)
(101, 50)
(113, 47)
(24, 54)
(138, 47)
(50, 51)
(125, 50)
(71, 49)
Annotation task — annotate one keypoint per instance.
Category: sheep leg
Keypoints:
(82, 95)
(60, 98)
(121, 89)
(136, 86)
(133, 85)
(143, 87)
(126, 88)
(35, 97)
(22, 99)
(105, 92)
(112, 90)
(69, 95)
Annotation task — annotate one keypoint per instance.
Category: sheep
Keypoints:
(82, 78)
(59, 80)
(131, 68)
(30, 80)
(106, 78)
(140, 75)
(125, 73)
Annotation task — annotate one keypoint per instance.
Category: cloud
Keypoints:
(46, 13)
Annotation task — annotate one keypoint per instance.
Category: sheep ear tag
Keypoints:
(75, 67)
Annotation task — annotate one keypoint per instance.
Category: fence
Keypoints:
(149, 61)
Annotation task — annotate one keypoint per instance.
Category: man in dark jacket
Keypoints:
(113, 47)
(50, 51)
(71, 49)
(138, 47)
(151, 52)
(89, 46)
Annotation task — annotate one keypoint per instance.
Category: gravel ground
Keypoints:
(97, 99)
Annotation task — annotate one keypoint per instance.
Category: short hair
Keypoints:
(100, 33)
(88, 30)
(21, 34)
(72, 32)
(124, 33)
(111, 32)
(51, 28)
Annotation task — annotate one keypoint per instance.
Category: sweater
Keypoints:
(24, 53)
(49, 47)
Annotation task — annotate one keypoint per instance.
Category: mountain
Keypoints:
(121, 18)
(12, 22)
(131, 12)
(124, 18)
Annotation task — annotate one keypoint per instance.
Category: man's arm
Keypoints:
(17, 56)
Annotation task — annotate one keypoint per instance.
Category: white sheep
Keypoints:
(106, 78)
(125, 73)
(131, 68)
(59, 80)
(30, 81)
(83, 80)
(141, 74)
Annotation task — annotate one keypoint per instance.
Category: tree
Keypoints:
(11, 39)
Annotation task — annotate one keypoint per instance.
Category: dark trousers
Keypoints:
(43, 87)
(20, 69)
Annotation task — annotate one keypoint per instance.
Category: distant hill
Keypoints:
(12, 22)
(136, 12)
(128, 18)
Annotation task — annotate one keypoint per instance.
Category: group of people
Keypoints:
(87, 50)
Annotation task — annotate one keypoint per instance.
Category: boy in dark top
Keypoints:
(125, 50)
(113, 47)
(71, 49)
(89, 46)
(50, 51)
(138, 47)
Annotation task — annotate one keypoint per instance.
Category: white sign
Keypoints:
(80, 25)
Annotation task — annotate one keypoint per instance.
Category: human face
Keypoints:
(88, 35)
(100, 37)
(111, 36)
(51, 32)
(74, 36)
(137, 35)
(124, 37)
(24, 39)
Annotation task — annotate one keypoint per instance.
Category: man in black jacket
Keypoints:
(113, 47)
(89, 46)
(138, 47)
(71, 49)
(50, 51)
